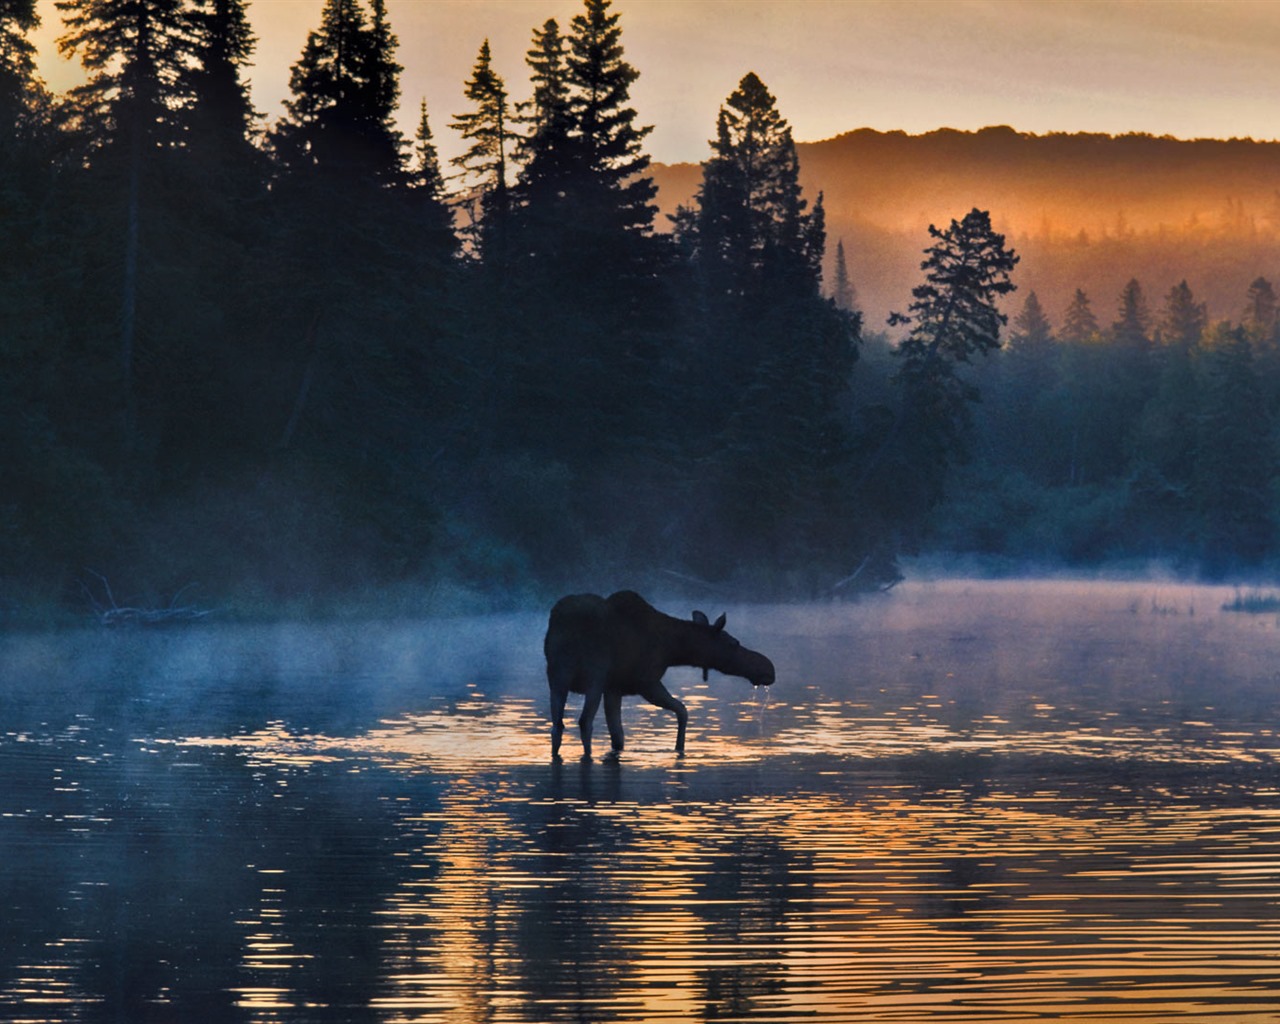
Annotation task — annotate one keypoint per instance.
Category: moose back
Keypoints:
(620, 646)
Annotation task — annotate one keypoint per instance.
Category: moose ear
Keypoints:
(701, 618)
(719, 623)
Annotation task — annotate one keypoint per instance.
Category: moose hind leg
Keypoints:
(660, 696)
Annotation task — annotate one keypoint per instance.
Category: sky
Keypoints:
(1189, 69)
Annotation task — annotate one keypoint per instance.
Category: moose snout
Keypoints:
(762, 674)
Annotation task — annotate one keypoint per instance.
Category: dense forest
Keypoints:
(299, 366)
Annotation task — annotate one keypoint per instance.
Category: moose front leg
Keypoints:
(590, 705)
(658, 695)
(613, 718)
(558, 700)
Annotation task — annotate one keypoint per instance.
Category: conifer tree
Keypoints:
(608, 143)
(1079, 325)
(486, 129)
(428, 183)
(751, 228)
(954, 316)
(546, 148)
(1184, 319)
(344, 90)
(135, 53)
(1131, 330)
(843, 293)
(223, 117)
(1030, 357)
(1031, 327)
(1163, 440)
(1235, 457)
(19, 85)
(427, 175)
(1260, 311)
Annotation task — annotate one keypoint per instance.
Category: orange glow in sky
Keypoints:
(1189, 69)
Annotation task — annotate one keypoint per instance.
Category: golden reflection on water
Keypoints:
(734, 885)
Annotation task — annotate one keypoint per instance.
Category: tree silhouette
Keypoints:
(484, 162)
(344, 89)
(843, 293)
(1079, 325)
(954, 316)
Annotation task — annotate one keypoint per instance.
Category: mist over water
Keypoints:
(961, 801)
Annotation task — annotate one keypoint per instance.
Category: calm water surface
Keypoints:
(962, 802)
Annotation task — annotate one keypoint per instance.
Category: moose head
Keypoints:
(721, 651)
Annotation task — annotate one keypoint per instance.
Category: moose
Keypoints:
(620, 646)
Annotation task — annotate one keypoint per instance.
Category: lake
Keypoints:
(962, 801)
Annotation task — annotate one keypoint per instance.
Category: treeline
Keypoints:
(1149, 438)
(281, 365)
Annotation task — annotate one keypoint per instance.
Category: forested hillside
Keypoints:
(291, 366)
(1086, 211)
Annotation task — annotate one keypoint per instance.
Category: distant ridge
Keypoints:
(1084, 210)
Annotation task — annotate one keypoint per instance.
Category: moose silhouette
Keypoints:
(620, 646)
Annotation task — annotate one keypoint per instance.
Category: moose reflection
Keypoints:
(610, 648)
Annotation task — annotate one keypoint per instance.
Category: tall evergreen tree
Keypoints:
(136, 53)
(752, 229)
(223, 117)
(18, 81)
(586, 309)
(1131, 330)
(487, 131)
(1260, 314)
(1079, 325)
(768, 358)
(1163, 441)
(546, 150)
(428, 180)
(843, 293)
(608, 143)
(954, 316)
(1031, 327)
(344, 90)
(1235, 458)
(1184, 320)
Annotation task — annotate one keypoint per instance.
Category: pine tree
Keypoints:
(1163, 439)
(127, 114)
(751, 228)
(344, 89)
(1184, 319)
(610, 178)
(768, 358)
(1079, 325)
(954, 316)
(1131, 330)
(428, 186)
(1235, 458)
(546, 149)
(1031, 327)
(485, 128)
(843, 293)
(135, 52)
(427, 176)
(1259, 319)
(382, 75)
(19, 84)
(1030, 355)
(223, 117)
